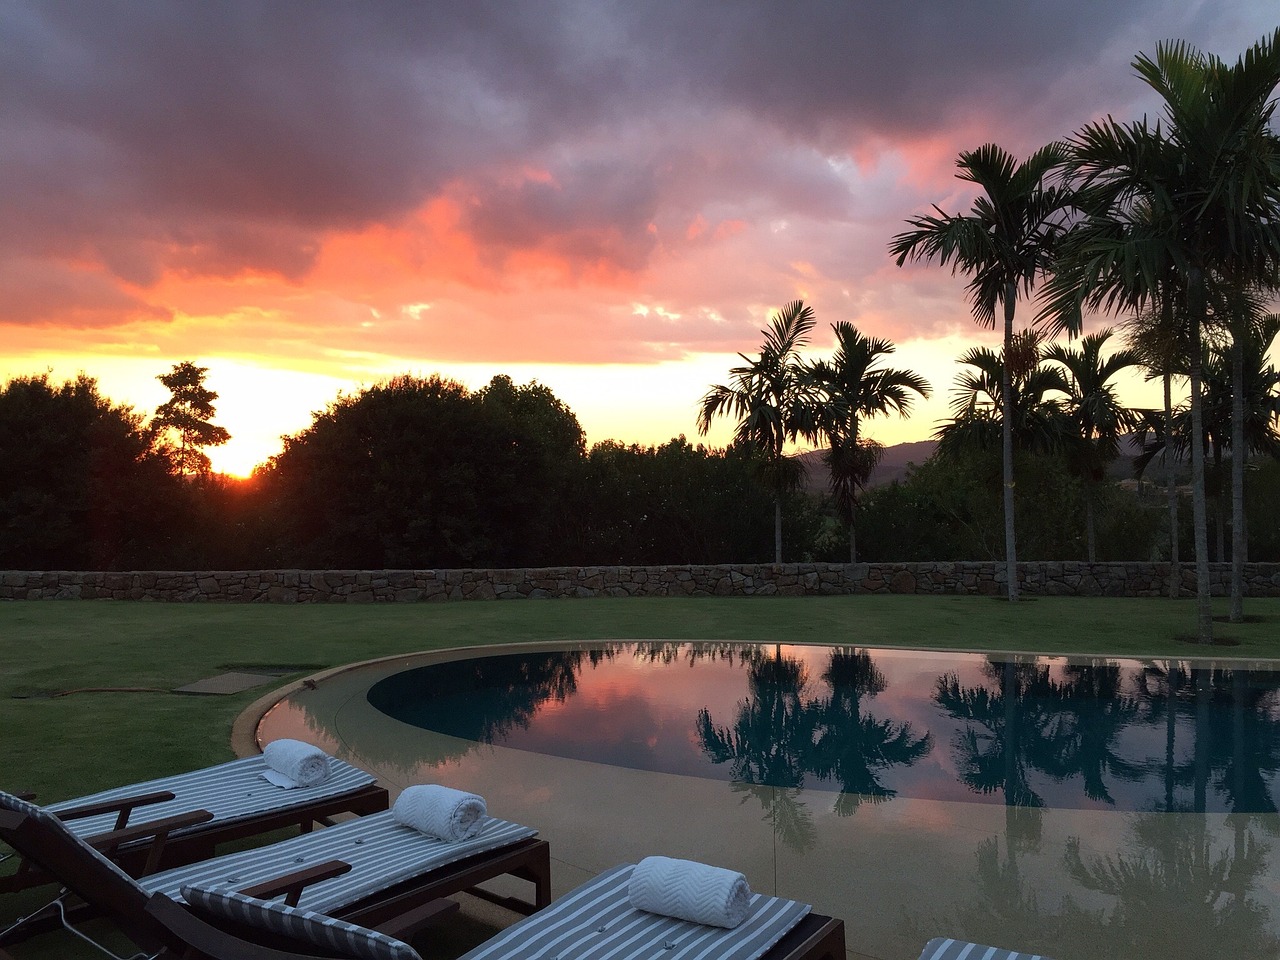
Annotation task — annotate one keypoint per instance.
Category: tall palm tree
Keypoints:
(1095, 413)
(1195, 202)
(849, 388)
(1005, 243)
(768, 396)
(1159, 339)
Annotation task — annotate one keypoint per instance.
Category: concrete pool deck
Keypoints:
(897, 872)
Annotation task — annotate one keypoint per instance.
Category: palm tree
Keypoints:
(849, 388)
(1172, 214)
(1159, 339)
(1240, 400)
(1095, 413)
(979, 408)
(1005, 243)
(767, 395)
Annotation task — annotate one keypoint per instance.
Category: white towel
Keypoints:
(292, 763)
(690, 891)
(440, 811)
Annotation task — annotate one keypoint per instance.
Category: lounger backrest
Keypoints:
(45, 841)
(298, 924)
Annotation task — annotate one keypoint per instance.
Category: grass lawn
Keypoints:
(62, 744)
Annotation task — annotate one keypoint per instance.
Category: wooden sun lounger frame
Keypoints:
(103, 892)
(148, 846)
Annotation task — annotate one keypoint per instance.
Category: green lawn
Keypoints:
(62, 744)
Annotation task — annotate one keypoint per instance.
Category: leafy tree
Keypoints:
(1175, 212)
(415, 472)
(188, 415)
(1097, 417)
(851, 387)
(1005, 243)
(677, 503)
(81, 487)
(768, 396)
(529, 455)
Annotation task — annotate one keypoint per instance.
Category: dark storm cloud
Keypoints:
(215, 137)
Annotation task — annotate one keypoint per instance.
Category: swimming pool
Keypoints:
(1080, 808)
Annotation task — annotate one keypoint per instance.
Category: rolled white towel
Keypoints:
(440, 811)
(691, 891)
(292, 763)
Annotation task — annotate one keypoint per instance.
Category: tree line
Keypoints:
(424, 473)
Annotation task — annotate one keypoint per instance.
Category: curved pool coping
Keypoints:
(244, 729)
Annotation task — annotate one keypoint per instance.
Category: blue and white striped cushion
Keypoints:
(597, 920)
(323, 931)
(943, 948)
(230, 791)
(381, 852)
(9, 802)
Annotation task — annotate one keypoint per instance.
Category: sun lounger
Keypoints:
(943, 948)
(595, 920)
(366, 870)
(240, 803)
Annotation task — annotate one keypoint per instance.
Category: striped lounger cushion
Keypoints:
(597, 920)
(323, 931)
(230, 791)
(942, 948)
(381, 852)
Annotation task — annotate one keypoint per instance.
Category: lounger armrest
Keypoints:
(124, 807)
(157, 830)
(292, 884)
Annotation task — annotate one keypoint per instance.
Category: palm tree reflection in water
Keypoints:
(782, 734)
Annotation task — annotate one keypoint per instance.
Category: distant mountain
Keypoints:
(892, 466)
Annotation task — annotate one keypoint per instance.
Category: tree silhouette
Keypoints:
(188, 415)
(767, 395)
(1097, 417)
(81, 485)
(1158, 338)
(1005, 243)
(851, 387)
(1177, 213)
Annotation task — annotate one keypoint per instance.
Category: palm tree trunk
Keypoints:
(1199, 510)
(1171, 493)
(1006, 444)
(1091, 544)
(1238, 455)
(777, 529)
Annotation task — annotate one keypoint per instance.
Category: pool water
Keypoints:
(1097, 808)
(1117, 735)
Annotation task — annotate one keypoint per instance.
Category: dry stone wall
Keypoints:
(786, 579)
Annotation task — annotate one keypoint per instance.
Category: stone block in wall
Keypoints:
(902, 581)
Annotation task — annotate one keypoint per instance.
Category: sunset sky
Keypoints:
(606, 197)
